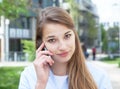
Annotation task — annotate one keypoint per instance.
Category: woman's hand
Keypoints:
(41, 64)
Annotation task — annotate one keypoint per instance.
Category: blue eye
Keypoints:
(67, 36)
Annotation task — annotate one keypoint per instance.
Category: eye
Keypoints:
(51, 40)
(67, 36)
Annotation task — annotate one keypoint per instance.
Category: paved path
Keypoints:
(13, 64)
(113, 72)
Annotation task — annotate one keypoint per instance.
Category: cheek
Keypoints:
(52, 49)
(72, 43)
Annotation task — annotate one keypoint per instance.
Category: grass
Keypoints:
(9, 77)
(112, 61)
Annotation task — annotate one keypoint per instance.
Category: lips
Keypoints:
(64, 54)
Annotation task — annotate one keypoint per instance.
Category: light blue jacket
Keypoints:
(28, 78)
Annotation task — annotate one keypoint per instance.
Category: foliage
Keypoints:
(113, 32)
(9, 77)
(29, 47)
(113, 36)
(74, 10)
(119, 64)
(104, 39)
(92, 29)
(113, 46)
(13, 8)
(111, 61)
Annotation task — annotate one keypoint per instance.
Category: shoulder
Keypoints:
(28, 78)
(96, 72)
(95, 69)
(29, 72)
(99, 75)
(29, 68)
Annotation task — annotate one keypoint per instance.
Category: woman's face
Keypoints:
(60, 41)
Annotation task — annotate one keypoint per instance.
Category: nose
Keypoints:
(62, 45)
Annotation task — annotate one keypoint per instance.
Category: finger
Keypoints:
(43, 60)
(41, 47)
(50, 61)
(46, 59)
(46, 53)
(40, 60)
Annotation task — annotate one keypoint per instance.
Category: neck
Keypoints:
(59, 69)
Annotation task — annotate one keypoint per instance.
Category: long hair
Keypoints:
(78, 75)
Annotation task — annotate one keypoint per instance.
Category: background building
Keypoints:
(88, 9)
(11, 48)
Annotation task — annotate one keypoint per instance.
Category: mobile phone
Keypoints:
(45, 49)
(48, 50)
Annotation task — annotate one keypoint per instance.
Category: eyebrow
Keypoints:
(67, 32)
(54, 36)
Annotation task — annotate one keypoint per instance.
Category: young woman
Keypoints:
(60, 62)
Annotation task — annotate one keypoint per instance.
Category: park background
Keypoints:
(97, 23)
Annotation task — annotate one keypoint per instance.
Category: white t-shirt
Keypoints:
(60, 81)
(28, 79)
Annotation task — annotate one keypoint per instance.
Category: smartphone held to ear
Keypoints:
(44, 49)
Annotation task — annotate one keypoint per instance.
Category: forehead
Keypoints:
(55, 29)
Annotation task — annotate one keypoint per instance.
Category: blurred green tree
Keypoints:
(91, 25)
(29, 47)
(13, 8)
(113, 32)
(113, 35)
(75, 12)
(92, 28)
(74, 9)
(104, 39)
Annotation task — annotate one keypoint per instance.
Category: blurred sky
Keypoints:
(108, 10)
